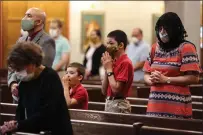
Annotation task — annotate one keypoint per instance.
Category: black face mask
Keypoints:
(174, 28)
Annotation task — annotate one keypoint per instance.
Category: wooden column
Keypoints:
(1, 36)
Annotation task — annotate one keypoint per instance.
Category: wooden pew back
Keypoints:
(88, 115)
(101, 116)
(101, 128)
(138, 109)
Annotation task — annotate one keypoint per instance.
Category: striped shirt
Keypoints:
(167, 100)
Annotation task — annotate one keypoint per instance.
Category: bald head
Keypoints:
(37, 13)
(137, 32)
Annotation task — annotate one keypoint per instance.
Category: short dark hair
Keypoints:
(24, 53)
(80, 68)
(59, 23)
(98, 33)
(119, 36)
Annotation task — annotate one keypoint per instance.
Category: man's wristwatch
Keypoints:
(168, 81)
(110, 73)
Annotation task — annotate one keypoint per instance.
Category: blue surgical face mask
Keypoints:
(27, 25)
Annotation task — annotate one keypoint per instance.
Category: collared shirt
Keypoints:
(62, 46)
(138, 53)
(123, 71)
(33, 36)
(80, 94)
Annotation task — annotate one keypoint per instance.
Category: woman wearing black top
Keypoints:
(41, 105)
(93, 54)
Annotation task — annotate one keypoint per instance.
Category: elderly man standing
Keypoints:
(138, 51)
(33, 23)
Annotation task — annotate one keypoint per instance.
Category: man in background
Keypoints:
(62, 56)
(33, 23)
(138, 51)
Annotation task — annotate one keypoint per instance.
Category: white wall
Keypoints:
(124, 15)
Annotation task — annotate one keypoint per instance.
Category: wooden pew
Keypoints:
(138, 109)
(94, 92)
(101, 116)
(102, 128)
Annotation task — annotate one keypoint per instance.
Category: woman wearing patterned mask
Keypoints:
(41, 96)
(172, 65)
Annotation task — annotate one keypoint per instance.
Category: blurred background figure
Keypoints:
(138, 51)
(93, 54)
(62, 56)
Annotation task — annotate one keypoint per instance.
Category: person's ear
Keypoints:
(39, 22)
(121, 45)
(80, 77)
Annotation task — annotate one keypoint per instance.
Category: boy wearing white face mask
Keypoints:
(62, 56)
(138, 51)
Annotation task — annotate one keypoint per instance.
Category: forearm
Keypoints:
(105, 84)
(114, 84)
(147, 78)
(138, 65)
(60, 65)
(67, 97)
(184, 80)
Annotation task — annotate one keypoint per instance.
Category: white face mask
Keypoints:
(53, 33)
(24, 33)
(134, 40)
(24, 76)
(164, 37)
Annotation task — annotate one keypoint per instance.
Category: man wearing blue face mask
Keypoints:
(33, 23)
(138, 51)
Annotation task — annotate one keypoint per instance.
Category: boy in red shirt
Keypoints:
(119, 73)
(76, 95)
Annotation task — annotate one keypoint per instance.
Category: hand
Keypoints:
(158, 77)
(149, 81)
(9, 126)
(3, 129)
(66, 82)
(14, 89)
(107, 62)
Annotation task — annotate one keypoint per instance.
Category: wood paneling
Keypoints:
(14, 11)
(1, 38)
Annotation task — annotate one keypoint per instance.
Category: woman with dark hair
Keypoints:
(41, 105)
(172, 65)
(93, 54)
